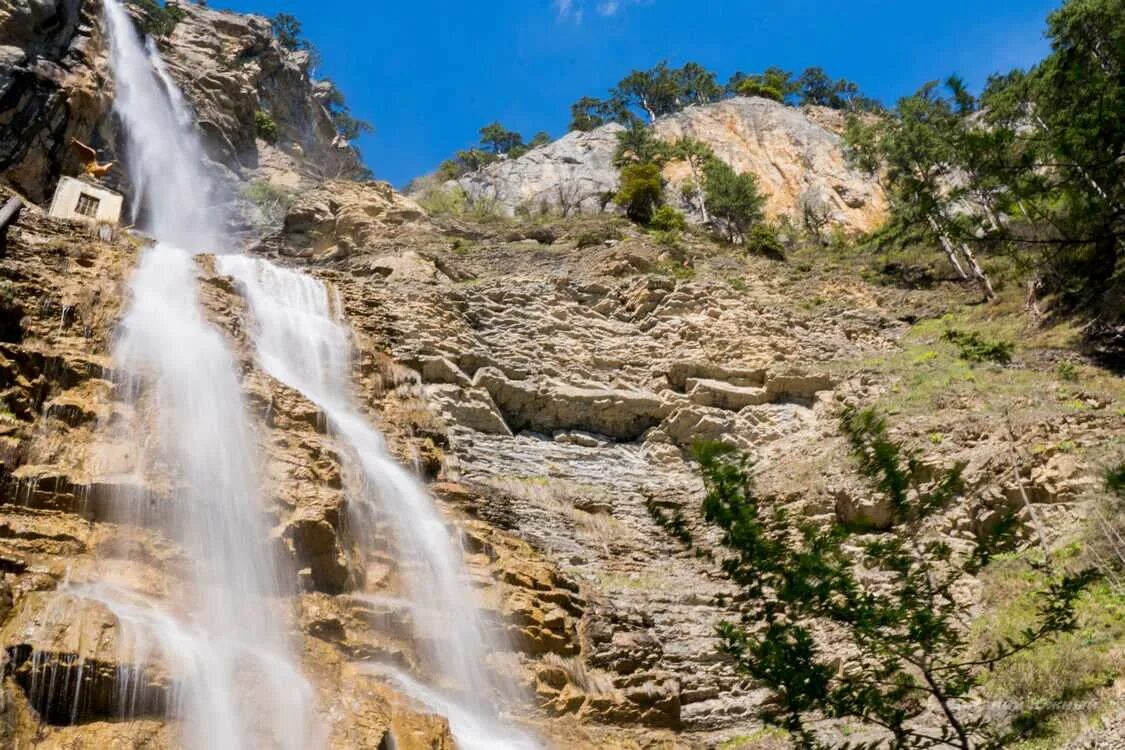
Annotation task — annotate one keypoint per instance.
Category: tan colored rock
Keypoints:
(341, 217)
(724, 395)
(799, 164)
(796, 154)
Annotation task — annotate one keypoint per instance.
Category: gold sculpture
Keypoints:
(89, 159)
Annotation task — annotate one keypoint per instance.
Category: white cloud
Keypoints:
(574, 10)
(569, 10)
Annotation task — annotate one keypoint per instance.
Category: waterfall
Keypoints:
(238, 686)
(300, 342)
(233, 642)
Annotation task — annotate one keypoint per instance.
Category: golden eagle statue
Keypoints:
(89, 159)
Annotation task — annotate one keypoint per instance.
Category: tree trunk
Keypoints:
(1081, 170)
(1031, 304)
(948, 247)
(699, 187)
(978, 272)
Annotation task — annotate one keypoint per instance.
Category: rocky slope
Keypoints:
(796, 154)
(567, 382)
(55, 85)
(548, 390)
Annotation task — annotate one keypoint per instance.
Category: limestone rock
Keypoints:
(56, 84)
(339, 218)
(568, 176)
(796, 154)
(799, 163)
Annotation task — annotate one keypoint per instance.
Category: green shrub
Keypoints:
(757, 88)
(640, 192)
(733, 199)
(872, 629)
(762, 239)
(274, 200)
(670, 239)
(265, 127)
(1068, 370)
(596, 236)
(1056, 682)
(668, 219)
(448, 201)
(975, 348)
(159, 20)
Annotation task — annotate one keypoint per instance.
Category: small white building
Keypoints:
(86, 201)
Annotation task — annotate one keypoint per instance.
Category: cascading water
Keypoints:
(166, 160)
(300, 342)
(237, 685)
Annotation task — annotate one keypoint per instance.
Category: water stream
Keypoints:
(238, 685)
(301, 342)
(222, 633)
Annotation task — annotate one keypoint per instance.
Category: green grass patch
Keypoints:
(766, 738)
(974, 347)
(1050, 689)
(929, 373)
(675, 269)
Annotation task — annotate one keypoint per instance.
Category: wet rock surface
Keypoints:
(55, 85)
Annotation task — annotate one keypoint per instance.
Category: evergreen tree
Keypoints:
(289, 33)
(657, 91)
(893, 604)
(637, 145)
(696, 154)
(917, 153)
(498, 139)
(641, 189)
(697, 85)
(542, 138)
(815, 87)
(347, 125)
(733, 199)
(775, 83)
(588, 113)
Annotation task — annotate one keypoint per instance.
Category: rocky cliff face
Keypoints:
(55, 85)
(796, 154)
(566, 383)
(52, 88)
(570, 175)
(231, 67)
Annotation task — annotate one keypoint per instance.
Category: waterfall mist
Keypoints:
(237, 683)
(301, 342)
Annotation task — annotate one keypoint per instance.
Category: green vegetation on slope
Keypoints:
(1032, 171)
(893, 603)
(644, 95)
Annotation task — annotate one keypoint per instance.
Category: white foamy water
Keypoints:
(237, 686)
(172, 189)
(301, 342)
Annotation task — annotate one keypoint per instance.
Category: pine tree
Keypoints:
(893, 603)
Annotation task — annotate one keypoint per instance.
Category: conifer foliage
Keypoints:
(891, 605)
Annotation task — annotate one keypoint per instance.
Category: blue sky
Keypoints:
(429, 73)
